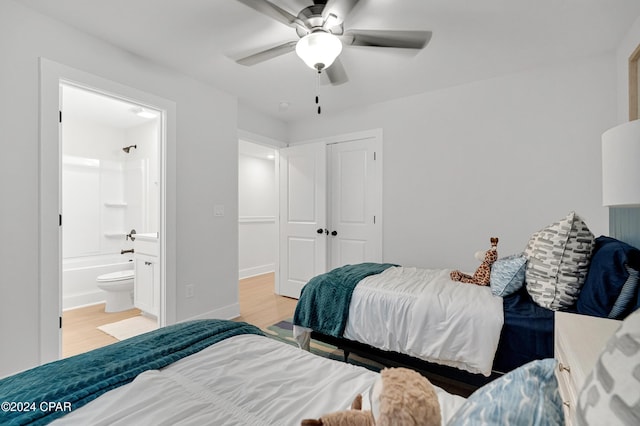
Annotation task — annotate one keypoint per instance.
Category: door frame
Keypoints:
(52, 74)
(634, 84)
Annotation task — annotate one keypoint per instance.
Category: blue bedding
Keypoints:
(527, 333)
(324, 301)
(73, 382)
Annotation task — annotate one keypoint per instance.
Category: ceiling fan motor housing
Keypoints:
(312, 18)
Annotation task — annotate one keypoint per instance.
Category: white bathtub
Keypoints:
(79, 278)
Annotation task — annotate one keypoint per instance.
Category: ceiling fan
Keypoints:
(320, 28)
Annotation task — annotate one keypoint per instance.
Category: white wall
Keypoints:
(268, 130)
(501, 157)
(626, 47)
(257, 216)
(202, 173)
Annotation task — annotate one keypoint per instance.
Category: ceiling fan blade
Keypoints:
(265, 55)
(339, 8)
(336, 73)
(276, 12)
(387, 38)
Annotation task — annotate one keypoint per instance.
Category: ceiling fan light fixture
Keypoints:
(319, 49)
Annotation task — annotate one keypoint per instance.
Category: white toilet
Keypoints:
(118, 288)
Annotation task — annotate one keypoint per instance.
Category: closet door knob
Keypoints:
(334, 233)
(319, 230)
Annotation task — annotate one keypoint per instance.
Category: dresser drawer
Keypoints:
(567, 385)
(578, 341)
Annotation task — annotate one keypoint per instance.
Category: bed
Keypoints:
(414, 311)
(214, 372)
(398, 312)
(222, 372)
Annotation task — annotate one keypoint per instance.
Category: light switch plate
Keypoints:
(218, 210)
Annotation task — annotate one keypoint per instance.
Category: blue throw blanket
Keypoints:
(325, 299)
(73, 382)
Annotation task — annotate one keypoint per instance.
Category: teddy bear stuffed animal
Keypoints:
(400, 397)
(353, 417)
(483, 273)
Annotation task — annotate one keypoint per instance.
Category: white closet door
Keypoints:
(303, 218)
(355, 202)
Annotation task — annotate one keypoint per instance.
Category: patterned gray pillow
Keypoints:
(558, 259)
(611, 392)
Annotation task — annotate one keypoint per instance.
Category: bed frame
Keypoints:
(451, 379)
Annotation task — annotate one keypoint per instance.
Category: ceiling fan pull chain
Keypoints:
(318, 91)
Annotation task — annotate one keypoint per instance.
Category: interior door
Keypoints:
(355, 230)
(303, 218)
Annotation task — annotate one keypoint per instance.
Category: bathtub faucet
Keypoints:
(126, 251)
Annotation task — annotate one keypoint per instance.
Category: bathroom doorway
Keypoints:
(110, 195)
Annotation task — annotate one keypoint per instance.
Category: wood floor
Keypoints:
(79, 328)
(259, 305)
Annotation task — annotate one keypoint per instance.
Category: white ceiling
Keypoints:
(472, 40)
(251, 149)
(98, 108)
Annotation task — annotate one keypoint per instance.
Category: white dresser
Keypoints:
(579, 339)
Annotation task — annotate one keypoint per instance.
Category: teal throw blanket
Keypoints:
(73, 382)
(324, 301)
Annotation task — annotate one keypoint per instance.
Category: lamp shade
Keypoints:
(621, 165)
(318, 50)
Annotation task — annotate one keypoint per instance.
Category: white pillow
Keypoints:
(558, 259)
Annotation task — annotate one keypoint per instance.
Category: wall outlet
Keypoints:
(218, 210)
(189, 290)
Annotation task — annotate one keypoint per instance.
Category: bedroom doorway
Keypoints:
(328, 208)
(257, 209)
(258, 227)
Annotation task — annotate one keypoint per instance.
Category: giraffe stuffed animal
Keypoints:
(483, 273)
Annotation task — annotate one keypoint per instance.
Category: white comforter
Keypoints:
(244, 380)
(422, 313)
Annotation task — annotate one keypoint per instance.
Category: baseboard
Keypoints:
(257, 270)
(227, 312)
(82, 300)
